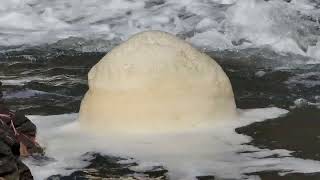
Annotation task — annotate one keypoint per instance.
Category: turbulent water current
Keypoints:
(270, 49)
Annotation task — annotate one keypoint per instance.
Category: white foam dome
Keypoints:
(153, 83)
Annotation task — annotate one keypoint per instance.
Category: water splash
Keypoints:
(218, 24)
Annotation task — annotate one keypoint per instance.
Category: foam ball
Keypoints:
(156, 83)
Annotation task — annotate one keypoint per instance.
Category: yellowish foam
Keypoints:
(155, 83)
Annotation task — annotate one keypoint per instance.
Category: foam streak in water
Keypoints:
(212, 151)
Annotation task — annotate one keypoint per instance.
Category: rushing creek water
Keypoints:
(269, 49)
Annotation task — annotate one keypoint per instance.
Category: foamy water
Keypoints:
(212, 151)
(211, 24)
(99, 25)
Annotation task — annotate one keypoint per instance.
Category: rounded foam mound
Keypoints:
(154, 83)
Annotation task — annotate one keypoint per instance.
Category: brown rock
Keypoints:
(17, 138)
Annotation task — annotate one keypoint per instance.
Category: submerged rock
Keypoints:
(109, 167)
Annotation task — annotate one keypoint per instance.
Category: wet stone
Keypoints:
(108, 167)
(16, 138)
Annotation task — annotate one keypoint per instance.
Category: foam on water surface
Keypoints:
(217, 150)
(216, 24)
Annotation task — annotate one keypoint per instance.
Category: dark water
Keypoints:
(270, 50)
(47, 82)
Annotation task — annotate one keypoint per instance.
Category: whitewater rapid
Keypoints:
(285, 27)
